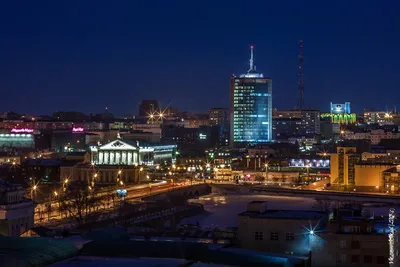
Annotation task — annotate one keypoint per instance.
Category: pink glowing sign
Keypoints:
(78, 130)
(22, 130)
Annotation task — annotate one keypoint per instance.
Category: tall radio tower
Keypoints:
(301, 82)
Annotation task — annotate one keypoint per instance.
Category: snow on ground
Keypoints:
(222, 210)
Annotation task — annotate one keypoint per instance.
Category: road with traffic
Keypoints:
(53, 216)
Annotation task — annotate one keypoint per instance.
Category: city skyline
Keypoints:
(92, 56)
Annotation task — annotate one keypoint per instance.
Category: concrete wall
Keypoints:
(370, 175)
(300, 245)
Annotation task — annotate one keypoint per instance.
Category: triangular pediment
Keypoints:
(117, 145)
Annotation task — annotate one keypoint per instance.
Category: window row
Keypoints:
(273, 236)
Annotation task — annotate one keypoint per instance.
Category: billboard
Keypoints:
(340, 108)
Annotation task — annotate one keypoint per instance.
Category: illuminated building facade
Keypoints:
(11, 141)
(380, 117)
(340, 114)
(219, 116)
(375, 136)
(130, 153)
(310, 121)
(313, 163)
(251, 107)
(343, 166)
(340, 108)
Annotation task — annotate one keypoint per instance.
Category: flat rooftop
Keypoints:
(286, 214)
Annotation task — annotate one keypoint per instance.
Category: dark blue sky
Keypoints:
(83, 55)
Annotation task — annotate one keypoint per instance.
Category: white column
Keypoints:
(112, 157)
(101, 157)
(123, 161)
(118, 157)
(130, 159)
(106, 158)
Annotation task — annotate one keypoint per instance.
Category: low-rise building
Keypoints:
(227, 174)
(374, 136)
(279, 231)
(16, 212)
(345, 237)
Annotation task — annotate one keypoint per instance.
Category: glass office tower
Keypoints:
(251, 107)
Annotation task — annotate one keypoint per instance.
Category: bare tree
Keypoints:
(322, 205)
(80, 204)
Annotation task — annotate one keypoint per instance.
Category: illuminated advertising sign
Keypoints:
(23, 130)
(78, 130)
(202, 136)
(340, 108)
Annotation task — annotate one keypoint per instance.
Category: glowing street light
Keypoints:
(147, 177)
(119, 172)
(173, 166)
(141, 169)
(121, 182)
(33, 189)
(55, 193)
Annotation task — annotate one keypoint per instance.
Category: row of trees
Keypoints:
(83, 203)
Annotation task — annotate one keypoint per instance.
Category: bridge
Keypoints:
(282, 191)
(184, 193)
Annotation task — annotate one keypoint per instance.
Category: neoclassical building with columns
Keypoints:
(132, 153)
(119, 160)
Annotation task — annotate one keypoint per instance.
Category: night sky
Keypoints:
(83, 55)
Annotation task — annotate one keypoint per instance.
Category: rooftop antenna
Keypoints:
(301, 82)
(252, 67)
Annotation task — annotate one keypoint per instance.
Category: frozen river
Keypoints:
(222, 210)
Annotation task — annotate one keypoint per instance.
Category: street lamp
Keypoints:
(266, 173)
(33, 189)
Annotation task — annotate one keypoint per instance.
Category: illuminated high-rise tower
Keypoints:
(251, 107)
